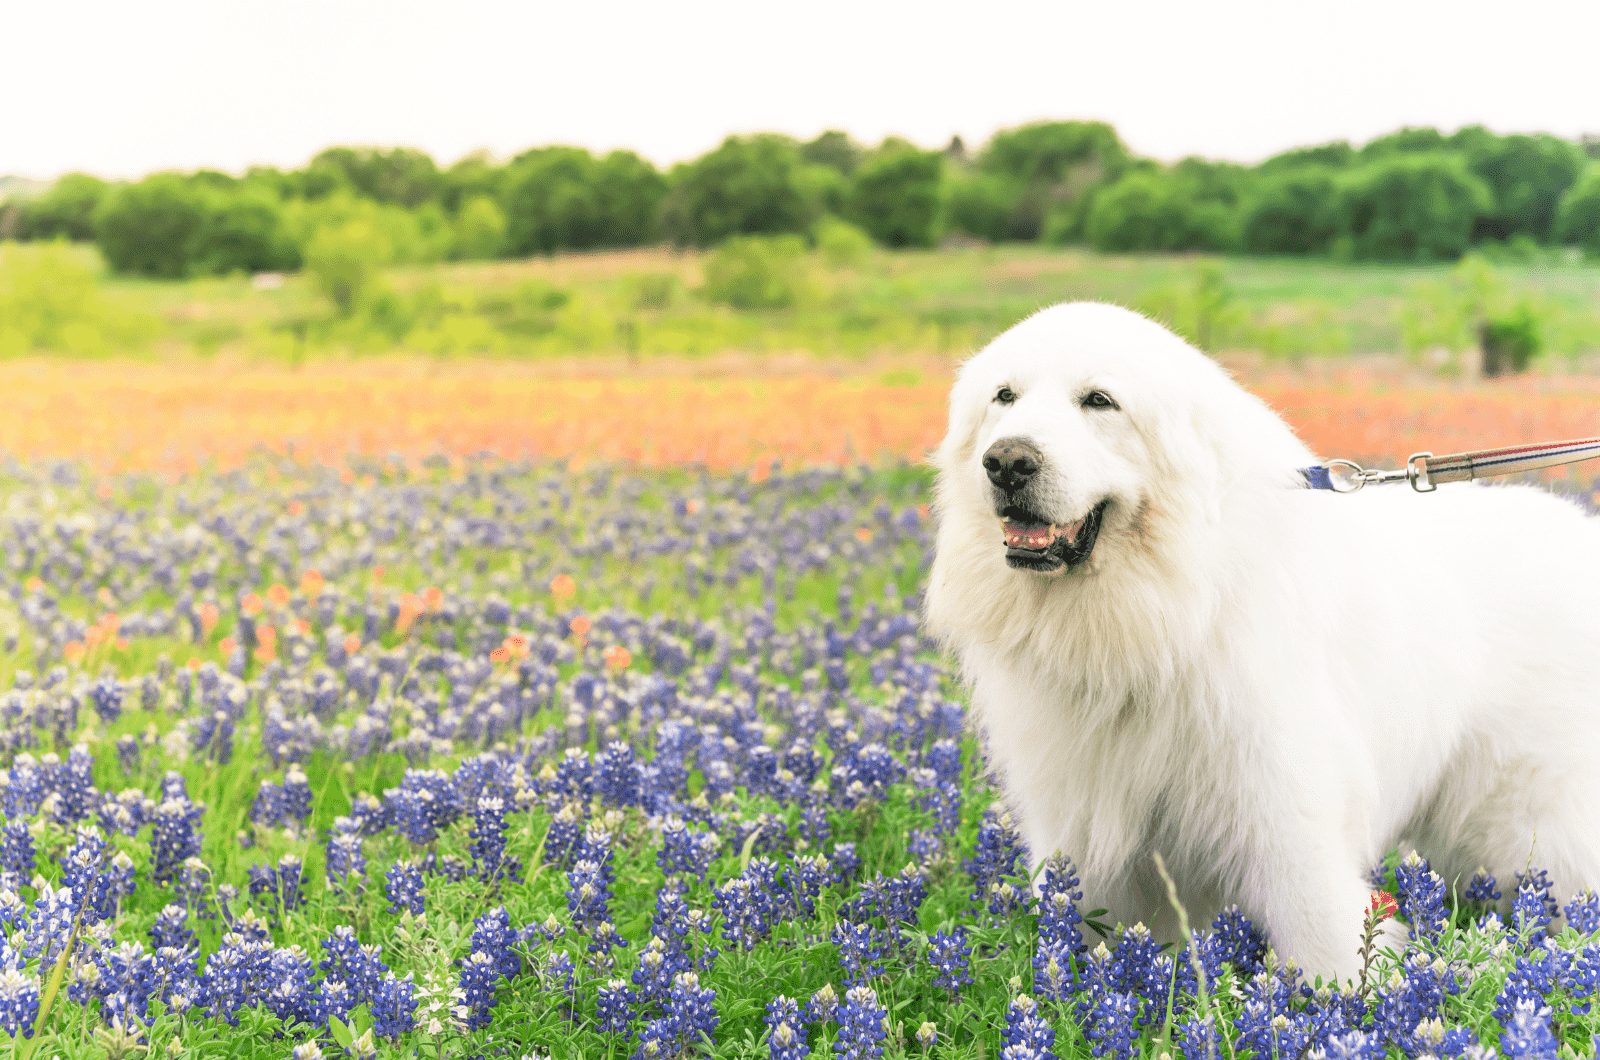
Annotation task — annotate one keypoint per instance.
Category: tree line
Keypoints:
(1416, 194)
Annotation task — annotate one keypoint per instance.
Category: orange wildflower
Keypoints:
(312, 582)
(563, 587)
(352, 644)
(251, 604)
(278, 594)
(226, 646)
(617, 657)
(74, 650)
(580, 625)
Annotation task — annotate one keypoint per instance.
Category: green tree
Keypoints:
(65, 211)
(982, 204)
(897, 196)
(1407, 207)
(1051, 163)
(153, 227)
(1526, 177)
(244, 231)
(749, 184)
(1337, 154)
(1578, 220)
(629, 191)
(1292, 211)
(402, 176)
(1157, 211)
(472, 177)
(835, 150)
(552, 202)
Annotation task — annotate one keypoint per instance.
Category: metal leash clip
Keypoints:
(1347, 476)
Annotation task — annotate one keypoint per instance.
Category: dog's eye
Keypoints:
(1005, 395)
(1098, 399)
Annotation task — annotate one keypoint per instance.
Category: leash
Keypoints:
(1425, 472)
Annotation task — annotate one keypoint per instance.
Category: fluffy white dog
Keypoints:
(1174, 648)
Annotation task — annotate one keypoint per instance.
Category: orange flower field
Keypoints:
(176, 418)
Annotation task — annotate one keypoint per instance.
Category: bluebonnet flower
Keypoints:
(1421, 893)
(861, 950)
(950, 956)
(786, 1032)
(618, 777)
(16, 851)
(488, 847)
(1534, 906)
(175, 838)
(492, 935)
(1582, 913)
(1027, 1035)
(748, 910)
(107, 698)
(478, 981)
(863, 1025)
(823, 1007)
(684, 851)
(998, 865)
(1482, 888)
(615, 1011)
(346, 864)
(347, 960)
(171, 929)
(403, 886)
(393, 1006)
(19, 1002)
(1527, 1034)
(1199, 1039)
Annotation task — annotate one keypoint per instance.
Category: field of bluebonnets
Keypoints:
(477, 757)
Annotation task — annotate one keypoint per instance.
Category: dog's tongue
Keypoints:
(1038, 536)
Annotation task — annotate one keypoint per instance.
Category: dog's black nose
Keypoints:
(1011, 462)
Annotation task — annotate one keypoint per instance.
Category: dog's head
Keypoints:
(1071, 434)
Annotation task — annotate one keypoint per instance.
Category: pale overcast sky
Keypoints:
(121, 88)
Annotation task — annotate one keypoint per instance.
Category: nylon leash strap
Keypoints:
(1426, 472)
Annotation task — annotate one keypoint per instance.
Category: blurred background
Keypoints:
(709, 235)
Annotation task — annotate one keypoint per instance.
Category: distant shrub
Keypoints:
(1578, 221)
(153, 227)
(896, 196)
(1202, 308)
(757, 272)
(1409, 207)
(65, 211)
(410, 237)
(653, 292)
(51, 301)
(345, 259)
(1509, 339)
(1294, 211)
(841, 243)
(480, 230)
(1156, 211)
(1475, 307)
(747, 186)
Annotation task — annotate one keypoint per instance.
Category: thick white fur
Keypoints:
(1270, 686)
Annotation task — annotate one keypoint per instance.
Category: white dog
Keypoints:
(1175, 648)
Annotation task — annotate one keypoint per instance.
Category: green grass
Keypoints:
(646, 304)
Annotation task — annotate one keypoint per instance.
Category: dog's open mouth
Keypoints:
(1036, 544)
